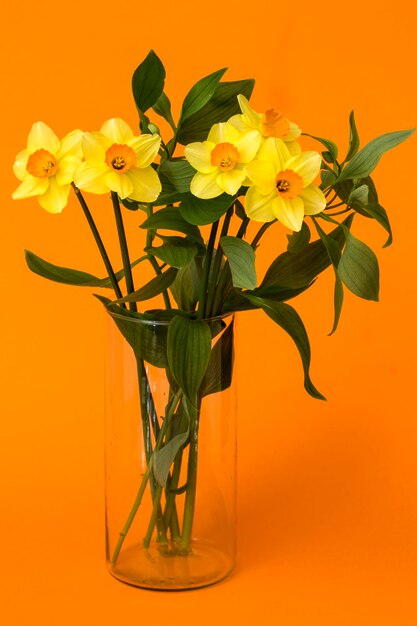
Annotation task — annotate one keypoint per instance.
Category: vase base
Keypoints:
(153, 570)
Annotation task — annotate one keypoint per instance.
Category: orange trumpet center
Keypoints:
(225, 156)
(120, 157)
(289, 184)
(274, 124)
(42, 164)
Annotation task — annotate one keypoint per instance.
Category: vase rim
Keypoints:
(161, 322)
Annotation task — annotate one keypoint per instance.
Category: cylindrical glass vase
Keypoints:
(170, 460)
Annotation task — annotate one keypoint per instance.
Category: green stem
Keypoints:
(206, 271)
(217, 263)
(123, 247)
(260, 233)
(169, 413)
(242, 229)
(99, 242)
(191, 483)
(153, 261)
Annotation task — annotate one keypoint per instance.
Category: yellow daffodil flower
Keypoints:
(269, 124)
(46, 167)
(117, 160)
(283, 185)
(220, 160)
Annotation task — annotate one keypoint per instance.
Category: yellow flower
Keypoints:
(269, 124)
(116, 160)
(220, 160)
(283, 185)
(46, 167)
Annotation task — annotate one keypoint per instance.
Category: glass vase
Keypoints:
(170, 462)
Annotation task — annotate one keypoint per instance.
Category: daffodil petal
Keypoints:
(146, 184)
(289, 212)
(199, 156)
(94, 147)
(205, 186)
(238, 123)
(307, 165)
(230, 181)
(275, 151)
(295, 132)
(19, 166)
(66, 169)
(71, 143)
(117, 130)
(119, 183)
(262, 175)
(146, 148)
(31, 186)
(90, 178)
(223, 133)
(248, 146)
(55, 198)
(258, 206)
(314, 200)
(293, 147)
(250, 116)
(41, 136)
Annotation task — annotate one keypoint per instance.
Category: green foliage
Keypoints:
(218, 376)
(200, 94)
(153, 288)
(164, 457)
(148, 82)
(163, 108)
(353, 138)
(241, 258)
(200, 212)
(175, 251)
(170, 218)
(298, 240)
(179, 173)
(358, 269)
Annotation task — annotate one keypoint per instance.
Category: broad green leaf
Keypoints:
(164, 457)
(328, 178)
(189, 346)
(298, 240)
(353, 138)
(163, 108)
(179, 173)
(334, 252)
(219, 372)
(300, 269)
(200, 212)
(200, 94)
(219, 108)
(148, 340)
(358, 269)
(186, 287)
(69, 276)
(168, 194)
(330, 145)
(170, 218)
(241, 257)
(237, 302)
(365, 161)
(176, 251)
(148, 82)
(153, 288)
(359, 197)
(378, 213)
(288, 319)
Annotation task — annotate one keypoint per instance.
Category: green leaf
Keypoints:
(153, 288)
(328, 178)
(219, 372)
(186, 287)
(148, 340)
(329, 144)
(241, 257)
(219, 108)
(170, 218)
(200, 212)
(353, 138)
(148, 82)
(298, 240)
(69, 276)
(365, 161)
(359, 197)
(176, 251)
(200, 94)
(189, 346)
(300, 269)
(288, 319)
(236, 301)
(164, 457)
(378, 213)
(334, 252)
(163, 108)
(179, 173)
(358, 269)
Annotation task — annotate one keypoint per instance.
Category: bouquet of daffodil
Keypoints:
(238, 166)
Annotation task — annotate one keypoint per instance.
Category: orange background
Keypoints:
(328, 496)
